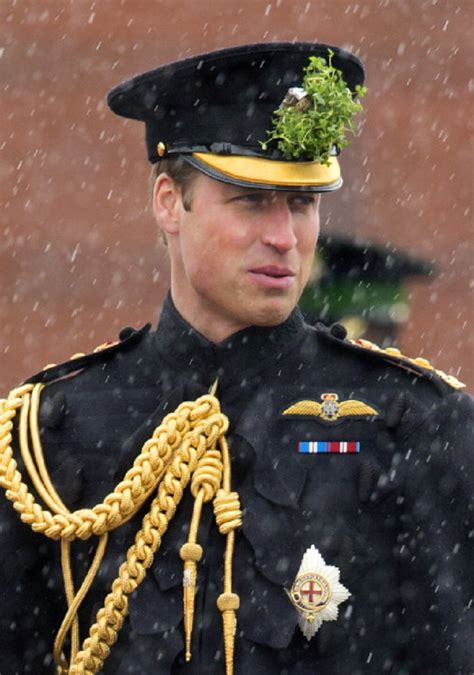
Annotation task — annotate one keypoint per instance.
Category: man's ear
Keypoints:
(167, 204)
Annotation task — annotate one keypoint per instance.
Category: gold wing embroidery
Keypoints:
(354, 407)
(304, 408)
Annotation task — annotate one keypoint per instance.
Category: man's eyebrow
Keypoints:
(237, 190)
(241, 188)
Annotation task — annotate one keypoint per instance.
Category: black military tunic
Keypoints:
(393, 517)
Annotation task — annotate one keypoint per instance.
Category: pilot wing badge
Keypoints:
(331, 409)
(316, 592)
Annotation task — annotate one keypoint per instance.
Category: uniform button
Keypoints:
(338, 331)
(53, 410)
(126, 332)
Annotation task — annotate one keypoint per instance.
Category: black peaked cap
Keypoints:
(223, 101)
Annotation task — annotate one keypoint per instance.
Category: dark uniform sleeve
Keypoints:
(31, 595)
(436, 542)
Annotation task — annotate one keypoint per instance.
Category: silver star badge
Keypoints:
(316, 592)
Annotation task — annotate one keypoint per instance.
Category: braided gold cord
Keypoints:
(121, 504)
(109, 620)
(184, 444)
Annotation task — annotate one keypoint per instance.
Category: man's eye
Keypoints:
(302, 200)
(251, 198)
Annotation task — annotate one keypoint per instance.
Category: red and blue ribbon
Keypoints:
(340, 447)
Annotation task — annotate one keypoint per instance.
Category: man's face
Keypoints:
(240, 257)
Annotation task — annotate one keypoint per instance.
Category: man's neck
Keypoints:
(216, 328)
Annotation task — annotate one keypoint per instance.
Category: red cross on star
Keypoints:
(311, 592)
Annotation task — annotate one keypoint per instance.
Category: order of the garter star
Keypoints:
(316, 592)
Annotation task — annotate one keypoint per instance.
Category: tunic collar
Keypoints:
(237, 358)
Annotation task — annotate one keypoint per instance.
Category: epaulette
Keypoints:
(417, 365)
(127, 337)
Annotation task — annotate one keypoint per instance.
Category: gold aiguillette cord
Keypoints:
(212, 480)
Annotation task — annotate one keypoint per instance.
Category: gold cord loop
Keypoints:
(227, 511)
(208, 475)
(127, 497)
(182, 447)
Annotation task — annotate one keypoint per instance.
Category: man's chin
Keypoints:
(272, 314)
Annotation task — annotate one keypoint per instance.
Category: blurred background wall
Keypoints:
(79, 253)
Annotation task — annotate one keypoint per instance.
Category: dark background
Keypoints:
(79, 251)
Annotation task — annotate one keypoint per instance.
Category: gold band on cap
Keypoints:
(263, 171)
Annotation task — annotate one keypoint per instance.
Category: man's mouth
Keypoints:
(272, 276)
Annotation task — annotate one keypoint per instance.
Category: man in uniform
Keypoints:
(342, 493)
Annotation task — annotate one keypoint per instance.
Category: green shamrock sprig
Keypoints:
(309, 128)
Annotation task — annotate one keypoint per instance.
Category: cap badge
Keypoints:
(330, 409)
(297, 97)
(316, 592)
(317, 116)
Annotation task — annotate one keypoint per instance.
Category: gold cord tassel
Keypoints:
(213, 471)
(205, 483)
(228, 517)
(229, 603)
(191, 554)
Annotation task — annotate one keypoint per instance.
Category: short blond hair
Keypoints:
(182, 173)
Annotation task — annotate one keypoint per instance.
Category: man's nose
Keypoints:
(279, 231)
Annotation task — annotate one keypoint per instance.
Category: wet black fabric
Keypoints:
(394, 518)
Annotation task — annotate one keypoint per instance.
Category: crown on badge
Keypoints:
(315, 118)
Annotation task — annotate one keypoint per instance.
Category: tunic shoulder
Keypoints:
(418, 366)
(127, 338)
